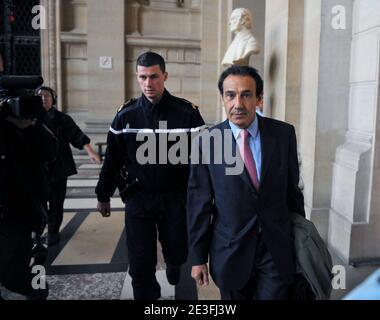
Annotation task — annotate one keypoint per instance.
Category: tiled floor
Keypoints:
(98, 247)
(95, 286)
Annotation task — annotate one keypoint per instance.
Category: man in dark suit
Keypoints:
(243, 220)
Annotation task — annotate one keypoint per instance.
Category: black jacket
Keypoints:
(122, 145)
(25, 155)
(67, 132)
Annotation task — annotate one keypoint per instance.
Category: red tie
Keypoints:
(248, 159)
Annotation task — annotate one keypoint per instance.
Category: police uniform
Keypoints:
(158, 202)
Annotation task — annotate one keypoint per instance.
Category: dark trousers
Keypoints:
(16, 252)
(55, 209)
(145, 217)
(265, 282)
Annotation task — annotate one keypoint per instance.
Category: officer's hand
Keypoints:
(200, 275)
(104, 208)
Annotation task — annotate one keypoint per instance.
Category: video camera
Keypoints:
(19, 102)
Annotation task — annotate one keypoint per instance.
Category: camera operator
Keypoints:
(26, 146)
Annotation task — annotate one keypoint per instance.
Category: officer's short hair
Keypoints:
(149, 59)
(236, 70)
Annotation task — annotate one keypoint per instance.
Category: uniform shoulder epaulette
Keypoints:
(127, 104)
(195, 107)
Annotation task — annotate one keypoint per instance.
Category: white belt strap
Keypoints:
(145, 131)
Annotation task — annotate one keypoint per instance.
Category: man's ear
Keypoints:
(166, 76)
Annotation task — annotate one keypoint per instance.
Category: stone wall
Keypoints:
(172, 31)
(355, 215)
(74, 59)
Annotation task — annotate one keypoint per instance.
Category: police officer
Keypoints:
(156, 202)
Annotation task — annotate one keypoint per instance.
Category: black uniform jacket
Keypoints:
(67, 132)
(141, 117)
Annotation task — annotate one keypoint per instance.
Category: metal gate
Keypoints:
(19, 43)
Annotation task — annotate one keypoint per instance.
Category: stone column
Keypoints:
(283, 53)
(306, 84)
(355, 206)
(132, 17)
(106, 38)
(214, 43)
(49, 45)
(324, 100)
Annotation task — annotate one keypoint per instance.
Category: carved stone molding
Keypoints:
(171, 5)
(68, 37)
(145, 41)
(165, 3)
(132, 17)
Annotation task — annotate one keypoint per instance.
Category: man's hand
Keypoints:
(95, 158)
(104, 208)
(200, 275)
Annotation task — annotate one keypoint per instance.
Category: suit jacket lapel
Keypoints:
(268, 143)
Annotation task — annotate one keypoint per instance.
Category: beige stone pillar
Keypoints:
(355, 206)
(306, 84)
(283, 53)
(50, 47)
(132, 17)
(106, 38)
(324, 100)
(214, 43)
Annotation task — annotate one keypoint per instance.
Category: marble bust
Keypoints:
(244, 43)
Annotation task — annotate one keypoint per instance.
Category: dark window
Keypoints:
(20, 44)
